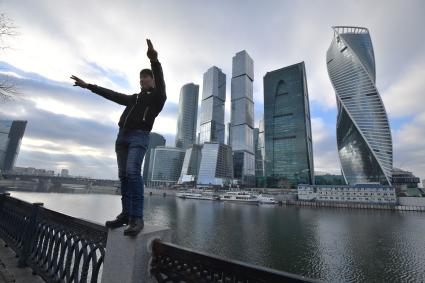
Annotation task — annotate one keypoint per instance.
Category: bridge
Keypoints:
(46, 183)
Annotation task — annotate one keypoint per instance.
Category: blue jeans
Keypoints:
(131, 146)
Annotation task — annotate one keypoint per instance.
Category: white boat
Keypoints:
(239, 196)
(266, 199)
(200, 195)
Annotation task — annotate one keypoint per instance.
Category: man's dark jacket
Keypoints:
(141, 108)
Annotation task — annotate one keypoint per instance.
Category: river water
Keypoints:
(331, 244)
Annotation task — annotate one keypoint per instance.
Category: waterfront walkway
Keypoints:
(9, 271)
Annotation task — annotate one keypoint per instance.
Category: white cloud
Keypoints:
(409, 146)
(324, 147)
(104, 43)
(406, 96)
(65, 147)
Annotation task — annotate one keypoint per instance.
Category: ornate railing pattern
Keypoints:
(58, 247)
(172, 263)
(61, 248)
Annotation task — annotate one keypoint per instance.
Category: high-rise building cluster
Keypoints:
(278, 152)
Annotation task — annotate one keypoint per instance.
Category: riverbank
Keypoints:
(356, 205)
(333, 245)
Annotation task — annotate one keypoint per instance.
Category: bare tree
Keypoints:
(7, 29)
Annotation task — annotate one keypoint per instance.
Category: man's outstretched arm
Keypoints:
(114, 96)
(157, 73)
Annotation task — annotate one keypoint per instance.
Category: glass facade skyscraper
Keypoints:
(259, 160)
(216, 168)
(155, 140)
(212, 106)
(187, 118)
(242, 118)
(166, 165)
(11, 133)
(287, 127)
(191, 163)
(363, 131)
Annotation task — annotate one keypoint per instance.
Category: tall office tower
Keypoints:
(229, 125)
(216, 168)
(363, 131)
(154, 141)
(287, 127)
(261, 145)
(260, 180)
(11, 133)
(188, 113)
(191, 163)
(242, 118)
(212, 106)
(259, 160)
(166, 165)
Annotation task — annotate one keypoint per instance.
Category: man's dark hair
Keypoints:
(146, 72)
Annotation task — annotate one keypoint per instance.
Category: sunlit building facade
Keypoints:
(187, 117)
(191, 163)
(212, 127)
(216, 167)
(241, 130)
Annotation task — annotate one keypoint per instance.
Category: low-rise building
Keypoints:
(64, 173)
(405, 183)
(31, 171)
(359, 193)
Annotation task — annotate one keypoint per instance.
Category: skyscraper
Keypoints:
(363, 131)
(259, 160)
(287, 127)
(166, 165)
(242, 117)
(216, 164)
(11, 133)
(212, 106)
(188, 113)
(191, 163)
(154, 141)
(261, 146)
(216, 168)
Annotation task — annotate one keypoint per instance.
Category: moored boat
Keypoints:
(264, 199)
(239, 196)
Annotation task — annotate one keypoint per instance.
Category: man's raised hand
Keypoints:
(79, 82)
(152, 54)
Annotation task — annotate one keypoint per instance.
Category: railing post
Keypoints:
(127, 259)
(27, 236)
(2, 198)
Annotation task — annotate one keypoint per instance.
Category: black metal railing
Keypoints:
(172, 263)
(56, 246)
(61, 248)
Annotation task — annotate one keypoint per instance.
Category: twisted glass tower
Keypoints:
(362, 130)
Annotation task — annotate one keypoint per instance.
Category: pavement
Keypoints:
(9, 271)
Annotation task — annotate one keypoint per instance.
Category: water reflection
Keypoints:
(339, 245)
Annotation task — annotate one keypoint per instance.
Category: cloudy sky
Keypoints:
(103, 42)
